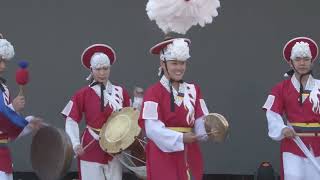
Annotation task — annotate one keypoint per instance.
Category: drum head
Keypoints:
(51, 153)
(216, 122)
(120, 130)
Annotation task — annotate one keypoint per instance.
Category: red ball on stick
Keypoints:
(22, 76)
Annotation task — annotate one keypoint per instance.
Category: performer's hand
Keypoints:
(18, 103)
(288, 132)
(36, 123)
(78, 150)
(189, 137)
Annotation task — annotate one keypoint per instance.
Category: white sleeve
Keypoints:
(26, 130)
(166, 139)
(72, 129)
(200, 130)
(275, 125)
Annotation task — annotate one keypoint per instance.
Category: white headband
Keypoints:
(300, 50)
(99, 60)
(177, 50)
(6, 49)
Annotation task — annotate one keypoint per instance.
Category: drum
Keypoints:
(216, 122)
(51, 153)
(122, 135)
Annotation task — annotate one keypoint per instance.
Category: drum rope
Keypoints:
(141, 143)
(130, 160)
(134, 157)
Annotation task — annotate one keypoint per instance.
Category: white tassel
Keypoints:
(314, 98)
(180, 15)
(187, 102)
(112, 101)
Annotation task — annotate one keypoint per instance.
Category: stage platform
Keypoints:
(129, 176)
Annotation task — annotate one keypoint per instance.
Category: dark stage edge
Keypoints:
(129, 176)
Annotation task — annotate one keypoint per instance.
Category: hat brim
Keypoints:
(89, 52)
(312, 45)
(156, 49)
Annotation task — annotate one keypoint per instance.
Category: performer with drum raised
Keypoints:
(12, 124)
(297, 98)
(97, 102)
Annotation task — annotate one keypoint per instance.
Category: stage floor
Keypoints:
(129, 176)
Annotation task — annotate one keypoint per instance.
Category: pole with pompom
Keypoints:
(22, 76)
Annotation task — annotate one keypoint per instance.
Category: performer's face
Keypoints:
(2, 65)
(101, 74)
(176, 69)
(302, 65)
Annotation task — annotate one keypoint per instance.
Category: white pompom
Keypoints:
(6, 49)
(300, 50)
(99, 60)
(179, 15)
(177, 50)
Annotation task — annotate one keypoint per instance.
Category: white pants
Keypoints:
(5, 176)
(299, 168)
(97, 171)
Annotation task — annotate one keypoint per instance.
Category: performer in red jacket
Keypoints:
(172, 115)
(96, 101)
(297, 99)
(12, 124)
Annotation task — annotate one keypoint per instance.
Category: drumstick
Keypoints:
(201, 135)
(85, 147)
(45, 124)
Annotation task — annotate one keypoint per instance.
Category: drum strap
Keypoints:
(94, 129)
(93, 133)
